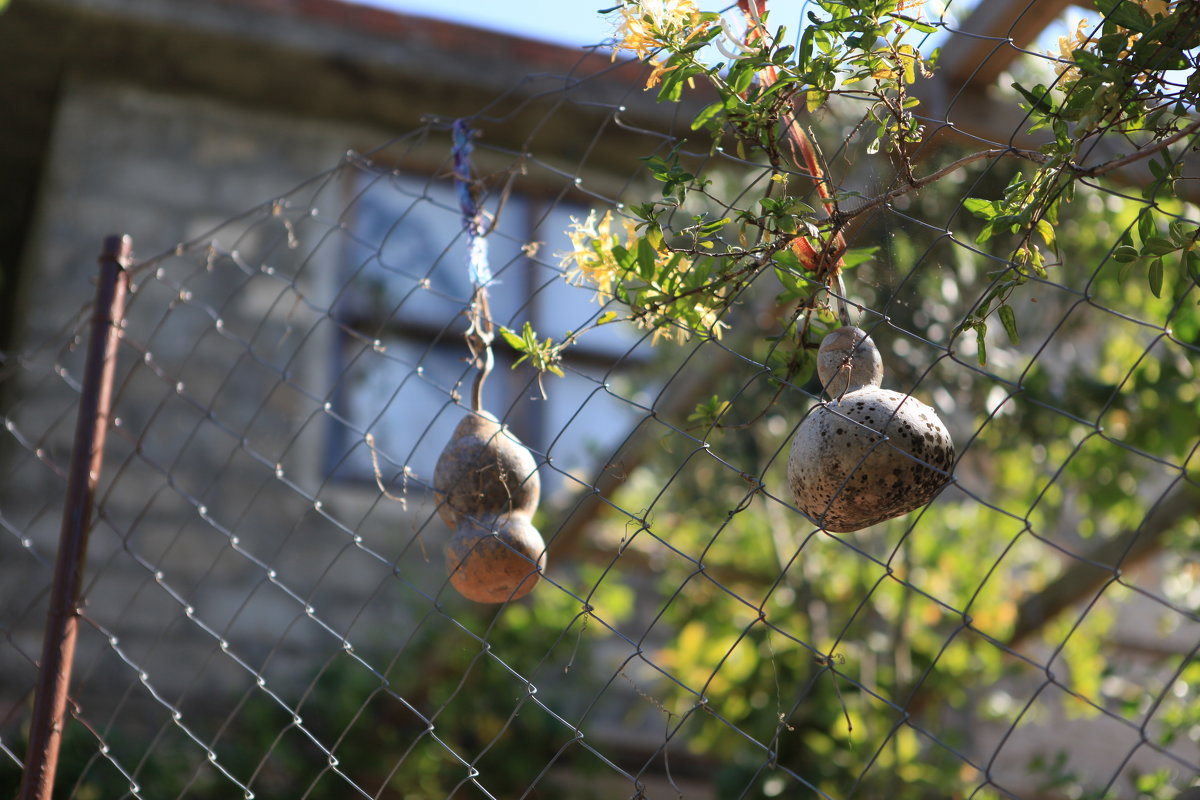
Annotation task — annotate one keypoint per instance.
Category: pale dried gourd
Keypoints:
(495, 560)
(868, 454)
(484, 470)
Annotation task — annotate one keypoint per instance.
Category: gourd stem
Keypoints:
(477, 388)
(479, 336)
(840, 297)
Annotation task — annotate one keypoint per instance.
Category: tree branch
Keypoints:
(1014, 152)
(1089, 573)
(1105, 562)
(1139, 154)
(933, 177)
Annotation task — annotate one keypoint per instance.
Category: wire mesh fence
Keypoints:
(267, 609)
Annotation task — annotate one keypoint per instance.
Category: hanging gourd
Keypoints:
(485, 480)
(868, 454)
(495, 559)
(484, 470)
(487, 484)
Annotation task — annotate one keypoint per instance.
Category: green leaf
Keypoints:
(707, 412)
(1192, 259)
(787, 280)
(986, 233)
(710, 228)
(980, 344)
(1124, 254)
(707, 114)
(984, 209)
(529, 335)
(1126, 14)
(654, 236)
(625, 260)
(741, 76)
(1155, 277)
(1009, 318)
(1146, 226)
(1047, 232)
(1126, 269)
(1038, 98)
(672, 86)
(647, 257)
(1179, 233)
(1158, 246)
(514, 341)
(1091, 63)
(858, 255)
(606, 317)
(917, 25)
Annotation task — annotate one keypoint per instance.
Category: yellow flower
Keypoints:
(591, 256)
(1081, 40)
(591, 259)
(648, 26)
(1067, 45)
(1156, 7)
(666, 329)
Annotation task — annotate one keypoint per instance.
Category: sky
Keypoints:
(579, 23)
(568, 22)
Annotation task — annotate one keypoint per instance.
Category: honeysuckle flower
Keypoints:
(591, 260)
(1067, 45)
(1082, 38)
(591, 255)
(708, 321)
(649, 26)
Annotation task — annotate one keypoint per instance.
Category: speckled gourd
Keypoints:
(868, 454)
(495, 559)
(484, 470)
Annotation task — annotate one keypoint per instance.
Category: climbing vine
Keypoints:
(674, 266)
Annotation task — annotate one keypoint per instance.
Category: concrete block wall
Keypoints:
(216, 521)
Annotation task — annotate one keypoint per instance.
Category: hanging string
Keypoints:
(480, 331)
(472, 215)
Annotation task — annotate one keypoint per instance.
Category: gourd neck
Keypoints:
(848, 361)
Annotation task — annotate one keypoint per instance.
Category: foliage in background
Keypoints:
(854, 658)
(384, 732)
(680, 266)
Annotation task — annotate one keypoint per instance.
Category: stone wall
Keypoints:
(216, 520)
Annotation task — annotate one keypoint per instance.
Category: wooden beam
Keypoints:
(993, 36)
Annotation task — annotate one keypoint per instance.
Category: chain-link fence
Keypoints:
(267, 607)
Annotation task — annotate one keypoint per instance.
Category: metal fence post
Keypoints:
(87, 456)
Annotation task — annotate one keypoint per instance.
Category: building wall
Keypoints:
(215, 468)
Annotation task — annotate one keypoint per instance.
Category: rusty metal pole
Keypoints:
(87, 456)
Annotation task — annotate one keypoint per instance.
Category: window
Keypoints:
(402, 357)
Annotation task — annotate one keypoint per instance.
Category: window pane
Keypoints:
(407, 263)
(402, 396)
(407, 281)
